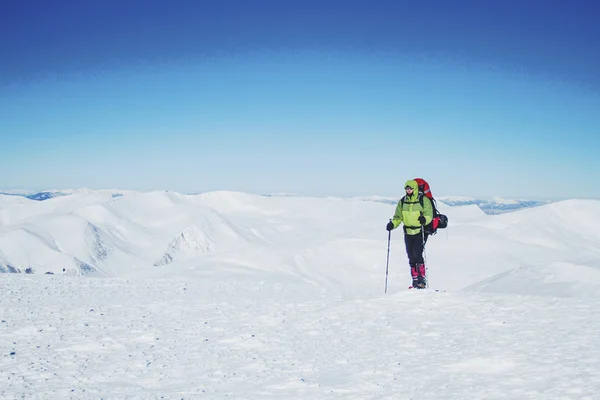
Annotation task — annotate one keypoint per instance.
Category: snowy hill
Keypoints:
(319, 239)
(233, 295)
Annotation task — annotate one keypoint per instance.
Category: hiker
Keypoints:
(415, 211)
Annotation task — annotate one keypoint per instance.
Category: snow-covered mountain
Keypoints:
(164, 233)
(49, 194)
(40, 196)
(232, 295)
(496, 205)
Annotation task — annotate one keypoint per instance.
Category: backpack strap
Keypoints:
(433, 204)
(420, 201)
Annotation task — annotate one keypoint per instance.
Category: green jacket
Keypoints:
(411, 210)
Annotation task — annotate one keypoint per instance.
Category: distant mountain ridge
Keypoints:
(39, 196)
(495, 205)
(46, 195)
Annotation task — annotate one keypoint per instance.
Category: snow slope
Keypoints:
(232, 295)
(325, 241)
(73, 338)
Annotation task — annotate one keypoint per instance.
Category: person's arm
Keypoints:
(397, 220)
(427, 210)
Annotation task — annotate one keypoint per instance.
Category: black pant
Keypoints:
(414, 249)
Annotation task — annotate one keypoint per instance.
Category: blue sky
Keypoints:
(312, 97)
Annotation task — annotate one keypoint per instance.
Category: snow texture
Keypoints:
(230, 295)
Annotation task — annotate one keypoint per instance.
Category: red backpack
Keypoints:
(440, 221)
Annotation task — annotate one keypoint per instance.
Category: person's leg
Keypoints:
(417, 257)
(409, 242)
(415, 244)
(413, 257)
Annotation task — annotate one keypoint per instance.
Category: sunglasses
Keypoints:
(408, 188)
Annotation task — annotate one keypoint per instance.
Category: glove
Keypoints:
(421, 220)
(389, 226)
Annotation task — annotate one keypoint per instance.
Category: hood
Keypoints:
(413, 184)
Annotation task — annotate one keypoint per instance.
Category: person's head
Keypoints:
(411, 187)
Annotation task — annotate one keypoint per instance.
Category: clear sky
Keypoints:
(481, 98)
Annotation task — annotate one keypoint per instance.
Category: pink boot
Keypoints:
(414, 272)
(422, 279)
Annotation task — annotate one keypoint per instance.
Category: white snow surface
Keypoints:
(229, 295)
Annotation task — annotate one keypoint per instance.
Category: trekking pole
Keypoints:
(424, 253)
(388, 259)
(425, 256)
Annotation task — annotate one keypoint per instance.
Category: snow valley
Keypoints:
(233, 295)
